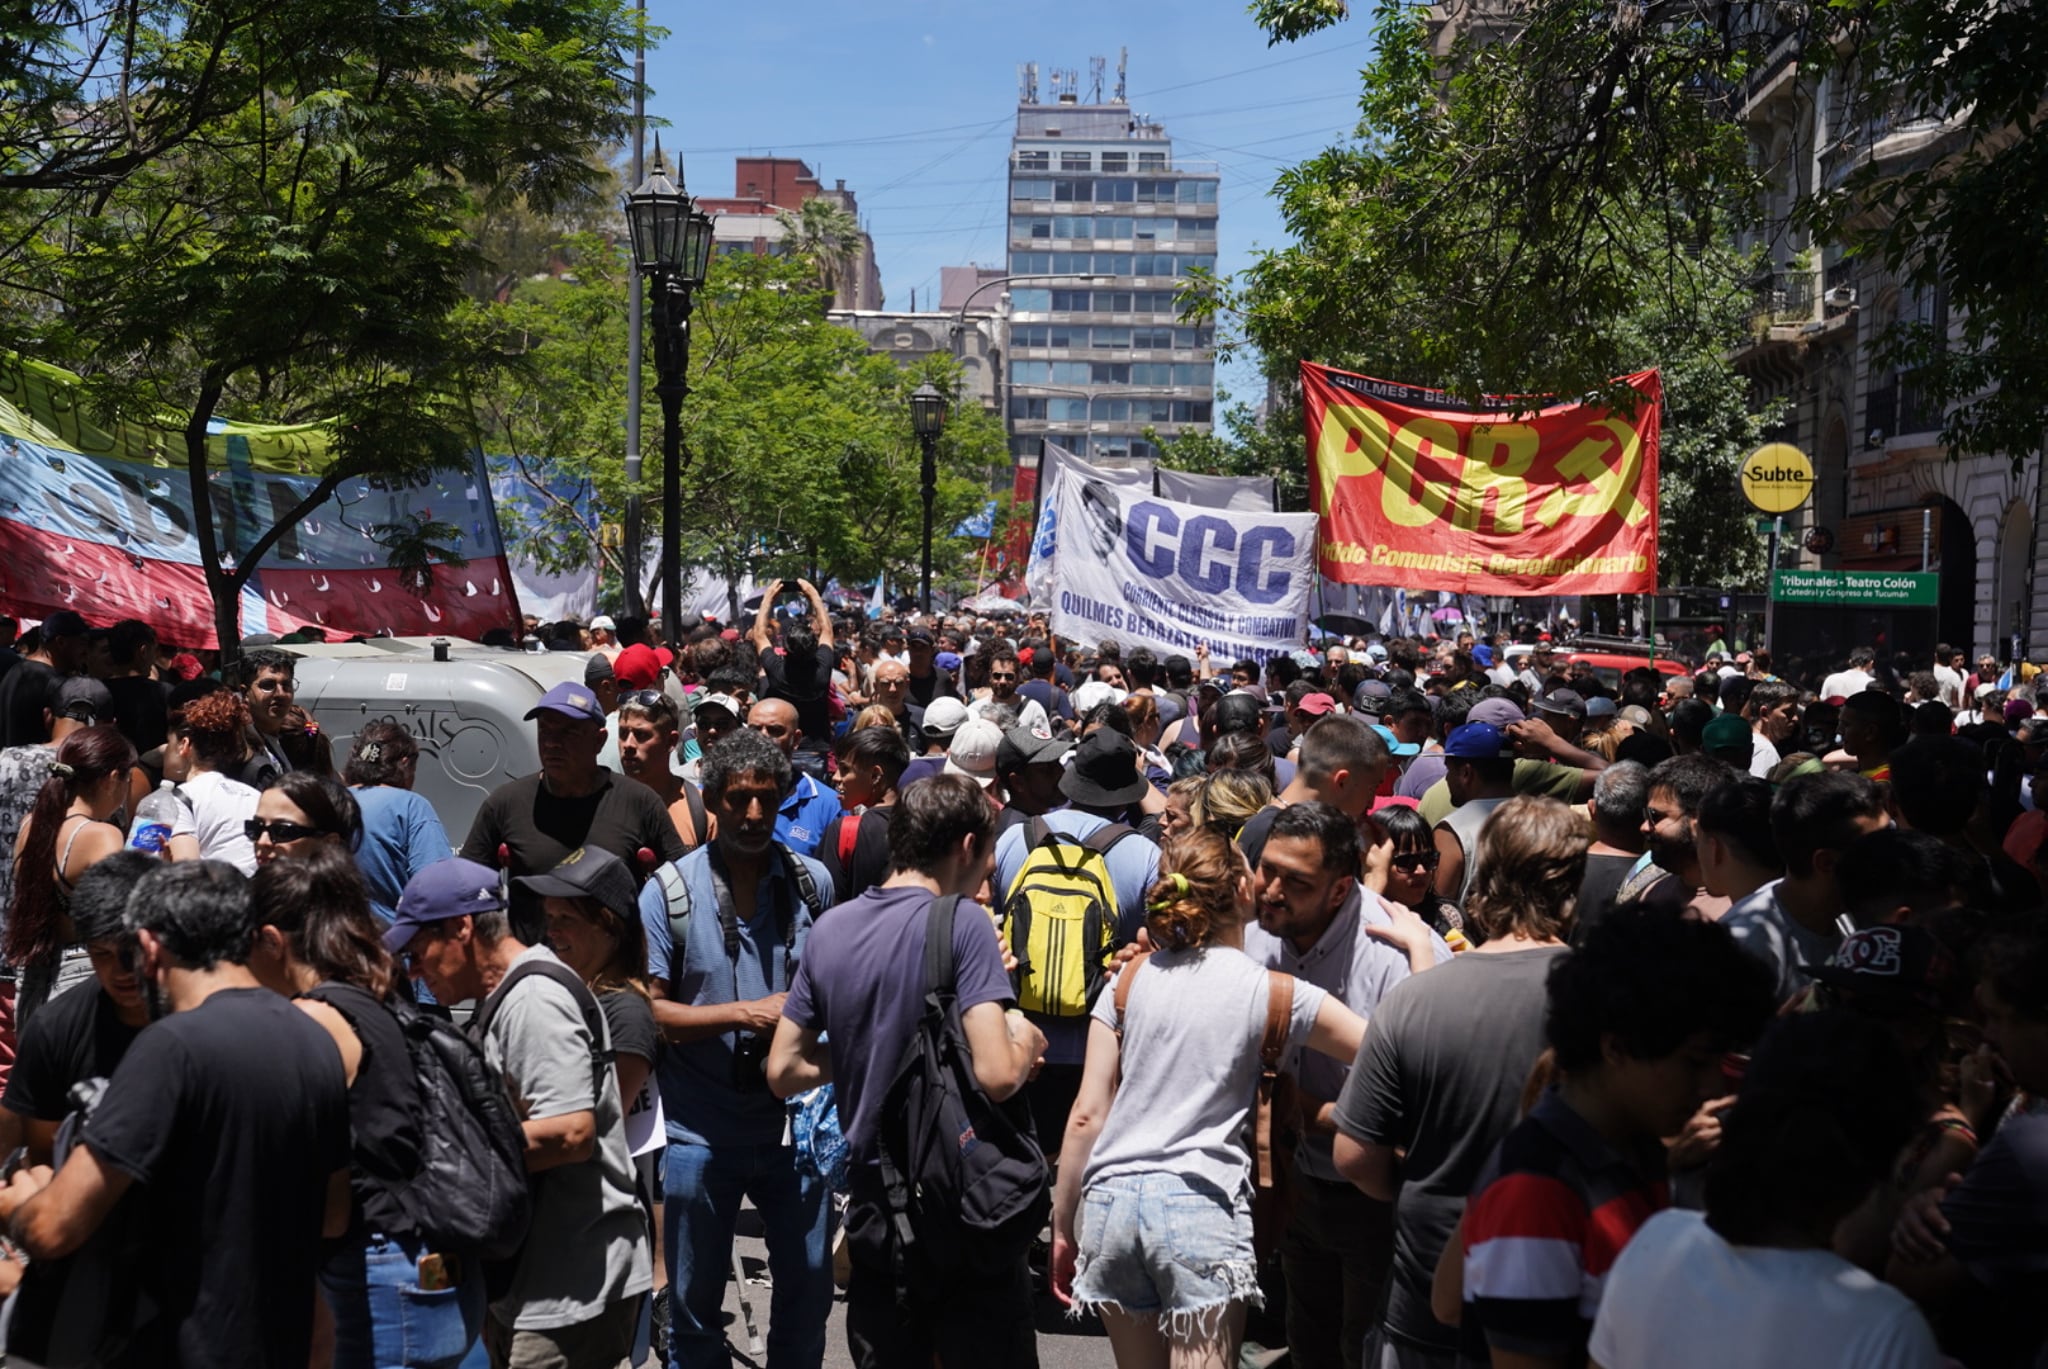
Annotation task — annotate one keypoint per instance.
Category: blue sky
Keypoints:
(912, 102)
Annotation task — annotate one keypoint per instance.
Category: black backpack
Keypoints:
(470, 1194)
(964, 1182)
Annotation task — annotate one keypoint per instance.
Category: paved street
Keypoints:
(1061, 1344)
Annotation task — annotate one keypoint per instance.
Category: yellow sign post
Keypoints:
(1777, 478)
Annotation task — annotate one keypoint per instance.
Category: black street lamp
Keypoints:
(672, 248)
(928, 420)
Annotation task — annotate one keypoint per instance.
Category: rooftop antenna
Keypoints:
(1095, 66)
(1123, 62)
(1027, 83)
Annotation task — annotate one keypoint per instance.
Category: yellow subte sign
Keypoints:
(1777, 478)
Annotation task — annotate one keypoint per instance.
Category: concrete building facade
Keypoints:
(1105, 225)
(1889, 494)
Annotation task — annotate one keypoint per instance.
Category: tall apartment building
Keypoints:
(750, 220)
(1105, 224)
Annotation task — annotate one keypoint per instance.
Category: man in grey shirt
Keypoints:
(1318, 924)
(574, 1295)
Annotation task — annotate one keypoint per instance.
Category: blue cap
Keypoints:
(947, 660)
(448, 888)
(1394, 747)
(1476, 742)
(571, 700)
(1482, 655)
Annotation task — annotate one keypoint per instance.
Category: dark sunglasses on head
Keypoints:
(1415, 860)
(649, 698)
(279, 830)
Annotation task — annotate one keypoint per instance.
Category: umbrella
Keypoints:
(1448, 615)
(1345, 624)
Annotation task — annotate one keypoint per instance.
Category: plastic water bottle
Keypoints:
(153, 819)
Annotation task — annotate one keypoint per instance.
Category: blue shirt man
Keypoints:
(726, 927)
(808, 807)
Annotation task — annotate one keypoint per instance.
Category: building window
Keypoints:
(1116, 161)
(1074, 161)
(1034, 159)
(1151, 161)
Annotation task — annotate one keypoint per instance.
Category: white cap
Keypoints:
(943, 716)
(603, 620)
(1096, 692)
(973, 752)
(724, 701)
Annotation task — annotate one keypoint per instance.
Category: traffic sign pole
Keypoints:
(1771, 585)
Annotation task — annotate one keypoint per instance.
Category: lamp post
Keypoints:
(672, 248)
(928, 420)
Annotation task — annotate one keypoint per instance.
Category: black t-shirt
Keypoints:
(937, 685)
(230, 1117)
(809, 692)
(1604, 876)
(26, 691)
(542, 829)
(1049, 697)
(631, 1018)
(142, 709)
(76, 1036)
(1251, 838)
(868, 863)
(383, 1111)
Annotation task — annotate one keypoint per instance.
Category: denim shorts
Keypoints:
(1165, 1244)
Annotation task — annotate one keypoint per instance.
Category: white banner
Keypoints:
(1247, 493)
(1053, 469)
(1155, 573)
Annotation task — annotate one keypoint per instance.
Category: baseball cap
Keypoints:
(1318, 704)
(637, 666)
(1104, 771)
(597, 668)
(947, 660)
(1727, 738)
(571, 701)
(82, 695)
(1600, 706)
(1024, 746)
(448, 888)
(603, 620)
(973, 752)
(1395, 747)
(65, 623)
(1476, 742)
(943, 716)
(1900, 966)
(919, 634)
(724, 701)
(1094, 693)
(1495, 713)
(1563, 702)
(1373, 696)
(1986, 689)
(1375, 651)
(588, 872)
(1482, 654)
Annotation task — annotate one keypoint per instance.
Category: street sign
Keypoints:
(1776, 478)
(1871, 588)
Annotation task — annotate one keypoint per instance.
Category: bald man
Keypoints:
(810, 806)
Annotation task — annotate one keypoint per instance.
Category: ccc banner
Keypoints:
(1416, 491)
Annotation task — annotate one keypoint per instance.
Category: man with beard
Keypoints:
(1005, 675)
(927, 681)
(269, 688)
(1673, 881)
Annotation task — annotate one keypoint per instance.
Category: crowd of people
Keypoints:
(1397, 1003)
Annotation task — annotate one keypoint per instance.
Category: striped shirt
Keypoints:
(1549, 1215)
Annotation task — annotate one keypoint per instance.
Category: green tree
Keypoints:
(799, 459)
(299, 252)
(824, 233)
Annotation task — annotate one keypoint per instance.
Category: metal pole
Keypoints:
(1771, 585)
(930, 476)
(635, 329)
(1926, 533)
(672, 356)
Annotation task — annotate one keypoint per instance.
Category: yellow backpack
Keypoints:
(1060, 915)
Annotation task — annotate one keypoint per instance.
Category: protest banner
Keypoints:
(1251, 493)
(1053, 468)
(1154, 573)
(98, 519)
(1417, 491)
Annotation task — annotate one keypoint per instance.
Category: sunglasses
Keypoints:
(280, 831)
(649, 698)
(1415, 860)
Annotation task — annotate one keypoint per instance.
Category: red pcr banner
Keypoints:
(1419, 492)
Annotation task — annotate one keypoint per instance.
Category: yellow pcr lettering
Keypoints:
(1499, 460)
(1408, 500)
(1346, 446)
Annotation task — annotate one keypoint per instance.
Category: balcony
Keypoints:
(1783, 297)
(1886, 135)
(1896, 406)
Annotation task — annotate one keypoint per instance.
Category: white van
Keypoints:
(467, 712)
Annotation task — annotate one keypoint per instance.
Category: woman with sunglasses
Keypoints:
(300, 813)
(1410, 877)
(66, 832)
(394, 1301)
